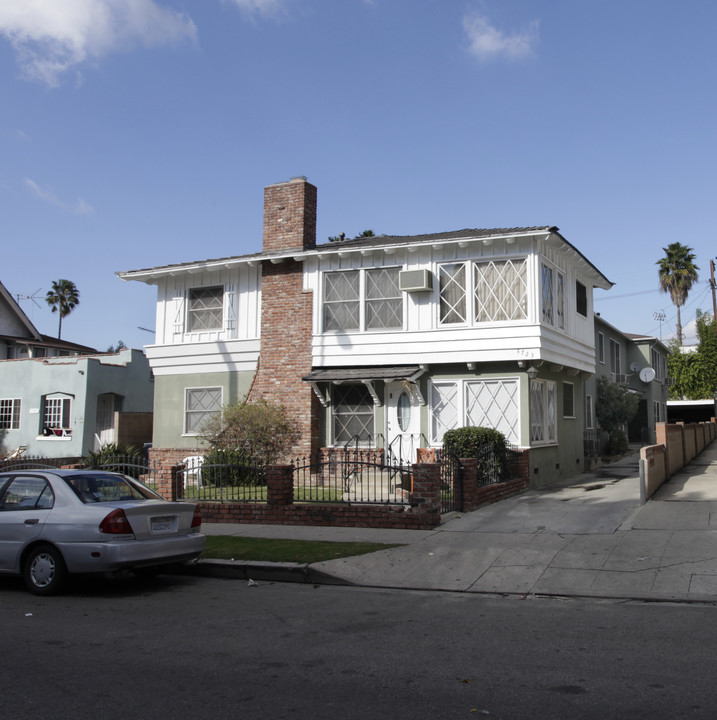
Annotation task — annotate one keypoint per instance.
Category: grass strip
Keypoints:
(229, 547)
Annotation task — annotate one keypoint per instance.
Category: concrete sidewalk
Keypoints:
(586, 537)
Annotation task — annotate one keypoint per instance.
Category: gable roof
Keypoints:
(18, 313)
(378, 242)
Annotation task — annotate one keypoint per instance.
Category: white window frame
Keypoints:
(578, 293)
(543, 413)
(57, 406)
(362, 300)
(466, 311)
(615, 357)
(10, 409)
(185, 415)
(193, 314)
(547, 294)
(462, 411)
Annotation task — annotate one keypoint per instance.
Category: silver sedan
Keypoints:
(55, 522)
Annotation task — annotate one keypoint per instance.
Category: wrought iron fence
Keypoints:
(31, 462)
(352, 476)
(220, 482)
(592, 443)
(451, 481)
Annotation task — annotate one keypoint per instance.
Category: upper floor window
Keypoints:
(547, 297)
(614, 357)
(205, 309)
(362, 300)
(10, 414)
(581, 298)
(200, 404)
(659, 364)
(499, 291)
(601, 347)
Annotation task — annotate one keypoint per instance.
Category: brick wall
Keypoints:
(286, 310)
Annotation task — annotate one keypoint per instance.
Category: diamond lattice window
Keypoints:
(452, 280)
(384, 301)
(494, 404)
(206, 309)
(500, 291)
(200, 405)
(353, 412)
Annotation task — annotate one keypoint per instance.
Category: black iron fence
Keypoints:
(358, 476)
(218, 482)
(592, 443)
(451, 481)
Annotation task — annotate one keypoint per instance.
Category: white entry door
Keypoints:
(403, 423)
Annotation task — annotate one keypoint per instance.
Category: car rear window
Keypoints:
(108, 488)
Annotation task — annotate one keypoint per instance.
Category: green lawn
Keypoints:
(228, 547)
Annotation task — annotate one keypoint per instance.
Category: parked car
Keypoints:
(57, 522)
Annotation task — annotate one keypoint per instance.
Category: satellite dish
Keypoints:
(635, 367)
(647, 374)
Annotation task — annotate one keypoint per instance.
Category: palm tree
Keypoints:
(64, 297)
(677, 273)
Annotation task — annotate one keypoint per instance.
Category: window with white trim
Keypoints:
(568, 400)
(353, 413)
(614, 357)
(492, 402)
(659, 364)
(205, 309)
(10, 413)
(362, 300)
(56, 415)
(547, 305)
(581, 298)
(200, 404)
(560, 300)
(498, 288)
(543, 412)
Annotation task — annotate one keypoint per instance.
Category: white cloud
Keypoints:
(487, 41)
(260, 7)
(79, 208)
(51, 37)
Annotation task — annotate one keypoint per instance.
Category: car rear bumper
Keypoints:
(125, 554)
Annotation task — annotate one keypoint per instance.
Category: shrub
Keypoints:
(117, 457)
(260, 431)
(617, 444)
(473, 442)
(230, 467)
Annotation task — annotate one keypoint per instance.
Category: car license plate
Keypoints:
(162, 525)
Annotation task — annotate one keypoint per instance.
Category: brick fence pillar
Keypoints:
(280, 485)
(470, 483)
(427, 488)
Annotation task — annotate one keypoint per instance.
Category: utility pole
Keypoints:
(714, 301)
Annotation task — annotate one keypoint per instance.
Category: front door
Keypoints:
(403, 423)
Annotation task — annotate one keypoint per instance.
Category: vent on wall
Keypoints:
(415, 280)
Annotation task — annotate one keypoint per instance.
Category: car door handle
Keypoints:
(32, 521)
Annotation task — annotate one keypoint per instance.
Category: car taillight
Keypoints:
(197, 517)
(116, 523)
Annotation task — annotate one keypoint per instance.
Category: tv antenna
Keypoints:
(32, 297)
(139, 327)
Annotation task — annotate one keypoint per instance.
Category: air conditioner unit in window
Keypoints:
(415, 280)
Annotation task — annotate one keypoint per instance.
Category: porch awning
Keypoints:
(396, 372)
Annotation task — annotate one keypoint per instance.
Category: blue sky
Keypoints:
(136, 133)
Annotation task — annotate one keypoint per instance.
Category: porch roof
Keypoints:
(394, 372)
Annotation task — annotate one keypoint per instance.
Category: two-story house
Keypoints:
(639, 364)
(385, 341)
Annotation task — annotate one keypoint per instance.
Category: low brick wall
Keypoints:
(475, 494)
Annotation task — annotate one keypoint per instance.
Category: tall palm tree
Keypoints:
(64, 297)
(677, 273)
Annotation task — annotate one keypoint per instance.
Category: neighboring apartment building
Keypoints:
(639, 364)
(383, 341)
(60, 399)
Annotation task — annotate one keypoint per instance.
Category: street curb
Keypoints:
(261, 570)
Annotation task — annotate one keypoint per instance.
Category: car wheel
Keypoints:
(45, 571)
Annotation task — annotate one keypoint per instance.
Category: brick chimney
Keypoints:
(290, 215)
(286, 310)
